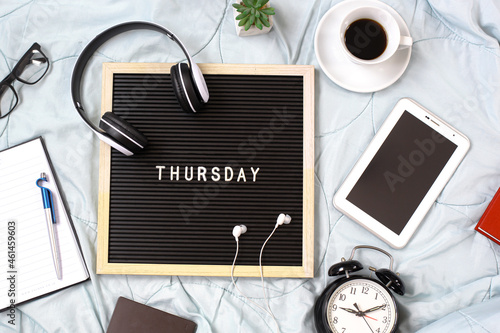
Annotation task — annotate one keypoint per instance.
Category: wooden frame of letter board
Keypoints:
(307, 268)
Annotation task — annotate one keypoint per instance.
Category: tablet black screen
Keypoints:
(401, 172)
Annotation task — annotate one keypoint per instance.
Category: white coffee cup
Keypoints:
(361, 39)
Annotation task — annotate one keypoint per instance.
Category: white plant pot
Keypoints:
(240, 31)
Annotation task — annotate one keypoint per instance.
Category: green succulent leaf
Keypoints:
(243, 21)
(265, 21)
(258, 23)
(248, 24)
(257, 13)
(268, 11)
(238, 6)
(248, 3)
(259, 3)
(241, 16)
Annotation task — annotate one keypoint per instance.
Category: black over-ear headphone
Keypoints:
(188, 83)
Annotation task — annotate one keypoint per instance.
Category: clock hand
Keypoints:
(349, 310)
(369, 317)
(363, 315)
(375, 308)
(357, 313)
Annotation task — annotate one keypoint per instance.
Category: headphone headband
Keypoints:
(100, 39)
(188, 84)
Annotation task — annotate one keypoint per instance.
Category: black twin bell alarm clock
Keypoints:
(359, 303)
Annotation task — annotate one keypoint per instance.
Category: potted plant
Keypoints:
(253, 17)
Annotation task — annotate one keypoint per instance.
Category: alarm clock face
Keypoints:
(361, 305)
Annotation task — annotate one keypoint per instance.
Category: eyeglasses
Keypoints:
(29, 70)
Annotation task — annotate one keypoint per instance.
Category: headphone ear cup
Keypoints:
(185, 89)
(124, 133)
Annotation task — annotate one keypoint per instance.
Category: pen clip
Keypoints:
(46, 196)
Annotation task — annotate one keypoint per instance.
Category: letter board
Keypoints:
(245, 158)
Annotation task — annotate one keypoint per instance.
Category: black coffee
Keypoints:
(365, 39)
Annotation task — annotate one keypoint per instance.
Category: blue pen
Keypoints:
(48, 206)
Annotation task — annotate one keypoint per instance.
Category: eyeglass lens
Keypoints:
(8, 100)
(29, 70)
(33, 68)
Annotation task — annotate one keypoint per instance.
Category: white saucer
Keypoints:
(344, 72)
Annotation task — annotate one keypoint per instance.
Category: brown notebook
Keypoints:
(133, 317)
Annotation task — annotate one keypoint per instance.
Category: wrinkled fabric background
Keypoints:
(451, 271)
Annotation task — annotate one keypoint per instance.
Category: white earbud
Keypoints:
(283, 219)
(239, 230)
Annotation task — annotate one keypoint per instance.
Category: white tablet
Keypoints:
(401, 173)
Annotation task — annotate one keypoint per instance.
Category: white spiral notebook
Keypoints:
(26, 266)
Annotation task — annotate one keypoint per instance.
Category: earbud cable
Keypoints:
(246, 297)
(262, 275)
